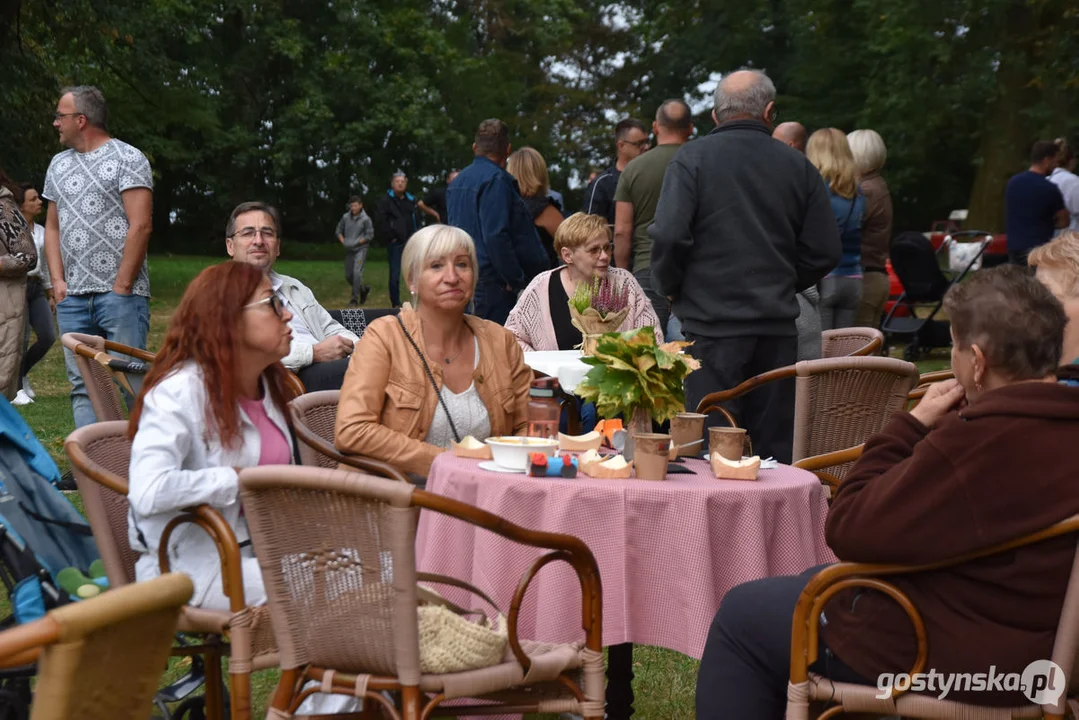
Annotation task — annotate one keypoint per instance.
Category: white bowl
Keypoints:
(512, 452)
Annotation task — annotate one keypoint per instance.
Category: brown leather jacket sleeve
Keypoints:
(522, 379)
(359, 413)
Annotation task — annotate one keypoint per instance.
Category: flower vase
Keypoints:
(640, 423)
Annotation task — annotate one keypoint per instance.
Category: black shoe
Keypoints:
(353, 303)
(364, 292)
(67, 482)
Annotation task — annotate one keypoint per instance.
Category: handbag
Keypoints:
(449, 641)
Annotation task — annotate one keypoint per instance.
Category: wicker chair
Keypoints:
(341, 583)
(104, 373)
(314, 418)
(103, 657)
(805, 687)
(851, 342)
(839, 402)
(100, 455)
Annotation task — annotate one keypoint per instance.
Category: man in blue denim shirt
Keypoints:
(485, 202)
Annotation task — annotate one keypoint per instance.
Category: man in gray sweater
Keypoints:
(355, 231)
(743, 224)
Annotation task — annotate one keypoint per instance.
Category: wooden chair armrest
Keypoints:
(295, 384)
(710, 402)
(360, 462)
(817, 464)
(137, 353)
(840, 576)
(566, 548)
(869, 348)
(21, 645)
(935, 376)
(228, 550)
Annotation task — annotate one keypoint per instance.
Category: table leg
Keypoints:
(620, 682)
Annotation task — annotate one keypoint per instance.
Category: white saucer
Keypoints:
(492, 466)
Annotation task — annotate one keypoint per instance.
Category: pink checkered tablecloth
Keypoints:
(667, 551)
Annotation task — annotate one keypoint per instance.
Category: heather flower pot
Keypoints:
(592, 325)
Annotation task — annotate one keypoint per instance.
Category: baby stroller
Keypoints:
(47, 555)
(918, 268)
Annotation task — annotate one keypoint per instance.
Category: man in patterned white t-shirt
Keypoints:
(100, 193)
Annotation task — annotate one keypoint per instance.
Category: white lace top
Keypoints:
(468, 412)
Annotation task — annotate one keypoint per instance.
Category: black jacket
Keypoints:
(398, 217)
(599, 195)
(743, 222)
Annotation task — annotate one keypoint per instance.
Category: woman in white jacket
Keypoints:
(212, 404)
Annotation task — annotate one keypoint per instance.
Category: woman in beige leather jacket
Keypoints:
(389, 409)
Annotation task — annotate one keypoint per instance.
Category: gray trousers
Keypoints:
(840, 298)
(354, 260)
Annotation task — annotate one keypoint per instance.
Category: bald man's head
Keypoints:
(744, 95)
(793, 134)
(674, 122)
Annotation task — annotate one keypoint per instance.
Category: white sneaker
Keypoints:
(27, 389)
(21, 398)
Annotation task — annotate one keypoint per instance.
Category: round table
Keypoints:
(667, 551)
(566, 365)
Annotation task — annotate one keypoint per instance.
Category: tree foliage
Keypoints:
(304, 102)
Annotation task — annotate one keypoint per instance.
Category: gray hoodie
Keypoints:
(358, 230)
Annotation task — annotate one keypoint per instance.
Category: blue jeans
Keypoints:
(120, 318)
(396, 250)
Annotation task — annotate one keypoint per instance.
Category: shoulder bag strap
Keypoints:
(431, 377)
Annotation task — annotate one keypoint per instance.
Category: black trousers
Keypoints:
(747, 657)
(767, 413)
(324, 375)
(397, 249)
(39, 317)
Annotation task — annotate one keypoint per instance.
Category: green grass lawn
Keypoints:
(665, 681)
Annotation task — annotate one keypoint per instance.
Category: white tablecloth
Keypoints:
(565, 365)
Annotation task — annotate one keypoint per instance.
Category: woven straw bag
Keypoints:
(449, 641)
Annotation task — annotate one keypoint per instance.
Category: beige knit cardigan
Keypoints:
(530, 319)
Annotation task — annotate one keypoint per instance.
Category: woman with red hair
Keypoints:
(213, 403)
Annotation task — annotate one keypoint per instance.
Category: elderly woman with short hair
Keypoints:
(869, 155)
(951, 477)
(422, 379)
(541, 318)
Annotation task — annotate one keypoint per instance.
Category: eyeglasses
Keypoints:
(249, 233)
(58, 115)
(640, 144)
(273, 301)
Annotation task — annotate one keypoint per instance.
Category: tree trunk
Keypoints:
(1006, 134)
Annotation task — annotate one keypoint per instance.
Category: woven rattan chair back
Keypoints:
(103, 657)
(104, 393)
(318, 412)
(345, 559)
(840, 402)
(100, 455)
(851, 342)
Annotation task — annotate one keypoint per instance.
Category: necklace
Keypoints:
(451, 359)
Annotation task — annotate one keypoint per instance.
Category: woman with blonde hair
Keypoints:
(434, 374)
(1056, 265)
(530, 171)
(840, 290)
(541, 321)
(869, 153)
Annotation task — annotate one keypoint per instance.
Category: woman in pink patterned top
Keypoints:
(541, 320)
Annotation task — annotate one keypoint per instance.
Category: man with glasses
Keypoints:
(321, 346)
(100, 193)
(631, 141)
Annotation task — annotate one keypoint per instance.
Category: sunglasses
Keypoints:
(273, 301)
